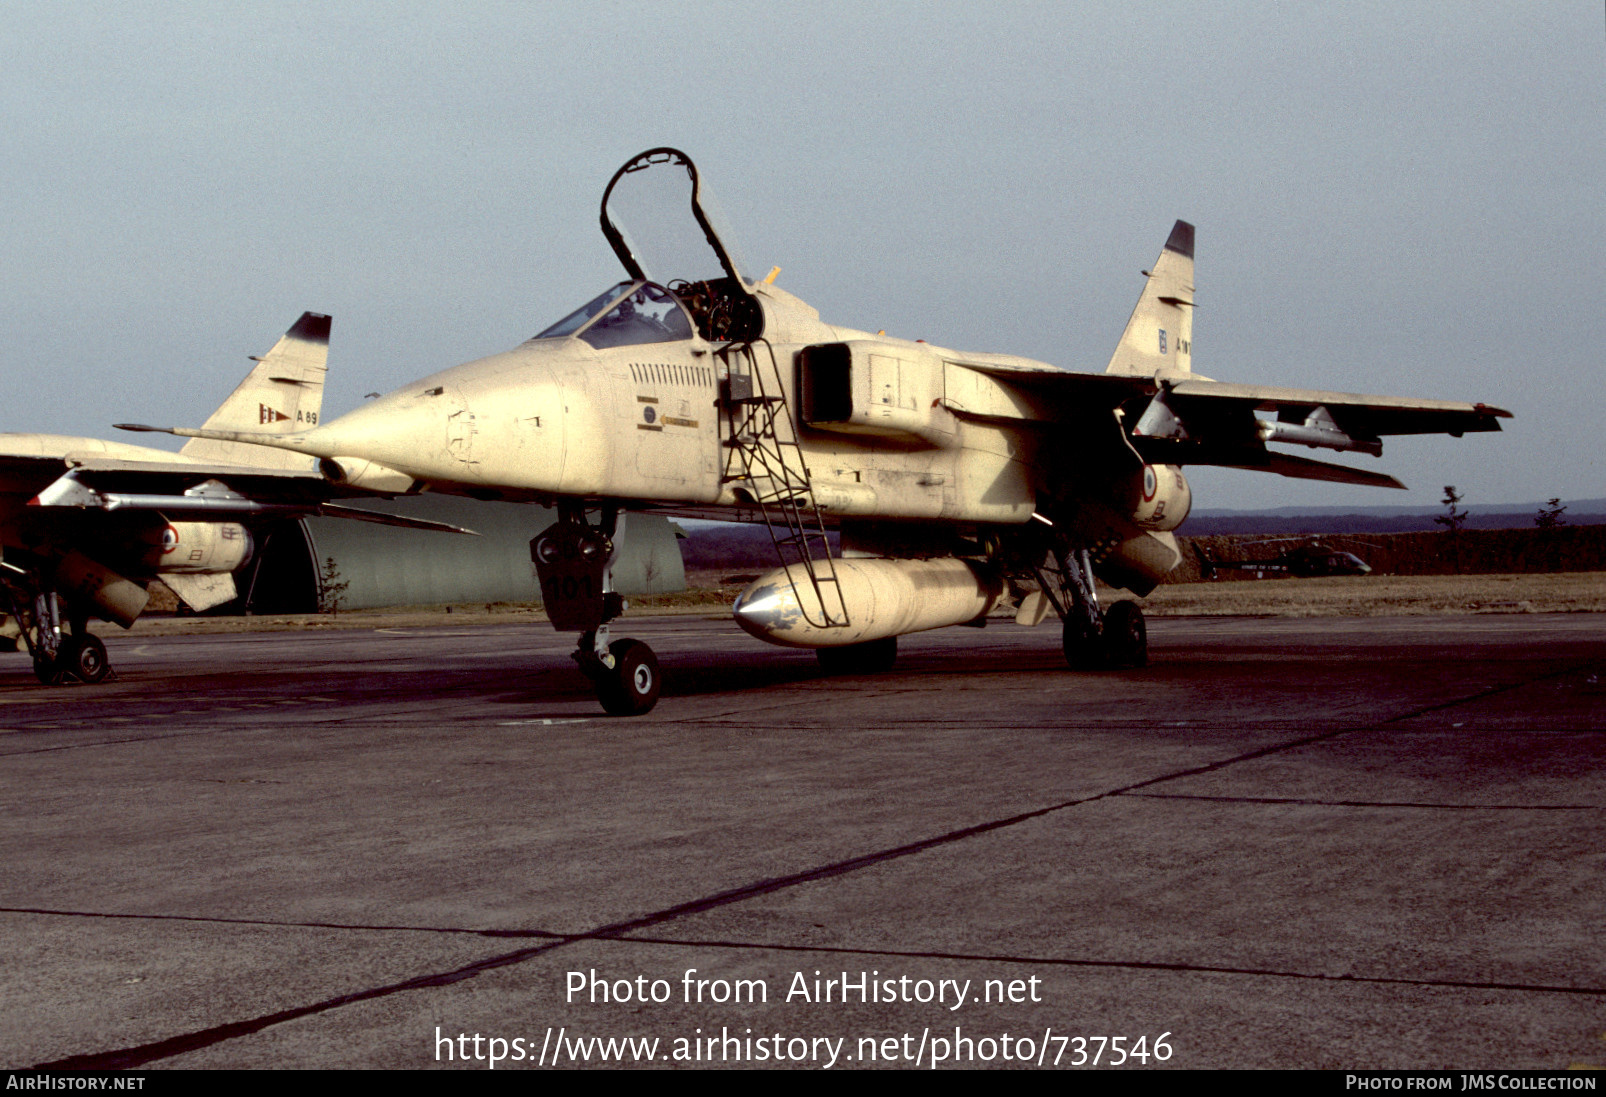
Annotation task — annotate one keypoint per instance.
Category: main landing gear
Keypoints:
(1094, 638)
(58, 657)
(574, 561)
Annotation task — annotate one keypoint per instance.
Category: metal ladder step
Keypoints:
(789, 509)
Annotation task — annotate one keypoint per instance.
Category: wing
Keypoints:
(202, 492)
(30, 462)
(1363, 418)
(1213, 423)
(26, 476)
(1192, 421)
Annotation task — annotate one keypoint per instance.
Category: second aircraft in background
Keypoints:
(86, 524)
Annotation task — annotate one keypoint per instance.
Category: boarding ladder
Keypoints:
(763, 456)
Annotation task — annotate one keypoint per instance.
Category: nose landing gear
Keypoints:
(574, 561)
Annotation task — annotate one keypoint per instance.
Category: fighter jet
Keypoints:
(958, 480)
(86, 524)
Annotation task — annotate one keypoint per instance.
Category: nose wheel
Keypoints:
(630, 687)
(574, 561)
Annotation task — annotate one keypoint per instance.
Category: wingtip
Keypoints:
(1181, 239)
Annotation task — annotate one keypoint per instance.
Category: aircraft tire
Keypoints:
(1125, 638)
(870, 657)
(631, 688)
(84, 657)
(1080, 642)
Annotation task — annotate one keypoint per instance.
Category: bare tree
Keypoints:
(331, 588)
(1549, 516)
(1454, 519)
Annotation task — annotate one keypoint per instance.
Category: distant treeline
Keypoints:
(1467, 552)
(745, 549)
(734, 548)
(1279, 525)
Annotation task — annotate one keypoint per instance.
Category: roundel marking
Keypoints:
(169, 540)
(1150, 483)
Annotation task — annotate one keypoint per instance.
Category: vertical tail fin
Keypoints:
(282, 395)
(1159, 336)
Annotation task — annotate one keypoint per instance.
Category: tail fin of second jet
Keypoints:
(1159, 336)
(282, 395)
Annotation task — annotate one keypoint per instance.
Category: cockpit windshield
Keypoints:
(641, 313)
(576, 319)
(648, 314)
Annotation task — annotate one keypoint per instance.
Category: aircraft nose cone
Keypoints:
(501, 421)
(389, 430)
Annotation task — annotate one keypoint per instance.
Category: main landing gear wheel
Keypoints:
(84, 657)
(1094, 639)
(1126, 638)
(1083, 651)
(630, 687)
(80, 658)
(870, 657)
(1120, 640)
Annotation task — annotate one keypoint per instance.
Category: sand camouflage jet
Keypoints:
(957, 480)
(85, 524)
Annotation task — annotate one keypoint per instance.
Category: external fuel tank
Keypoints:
(881, 598)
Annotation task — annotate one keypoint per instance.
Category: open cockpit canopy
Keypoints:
(657, 216)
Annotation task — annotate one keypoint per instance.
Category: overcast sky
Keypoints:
(1390, 198)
